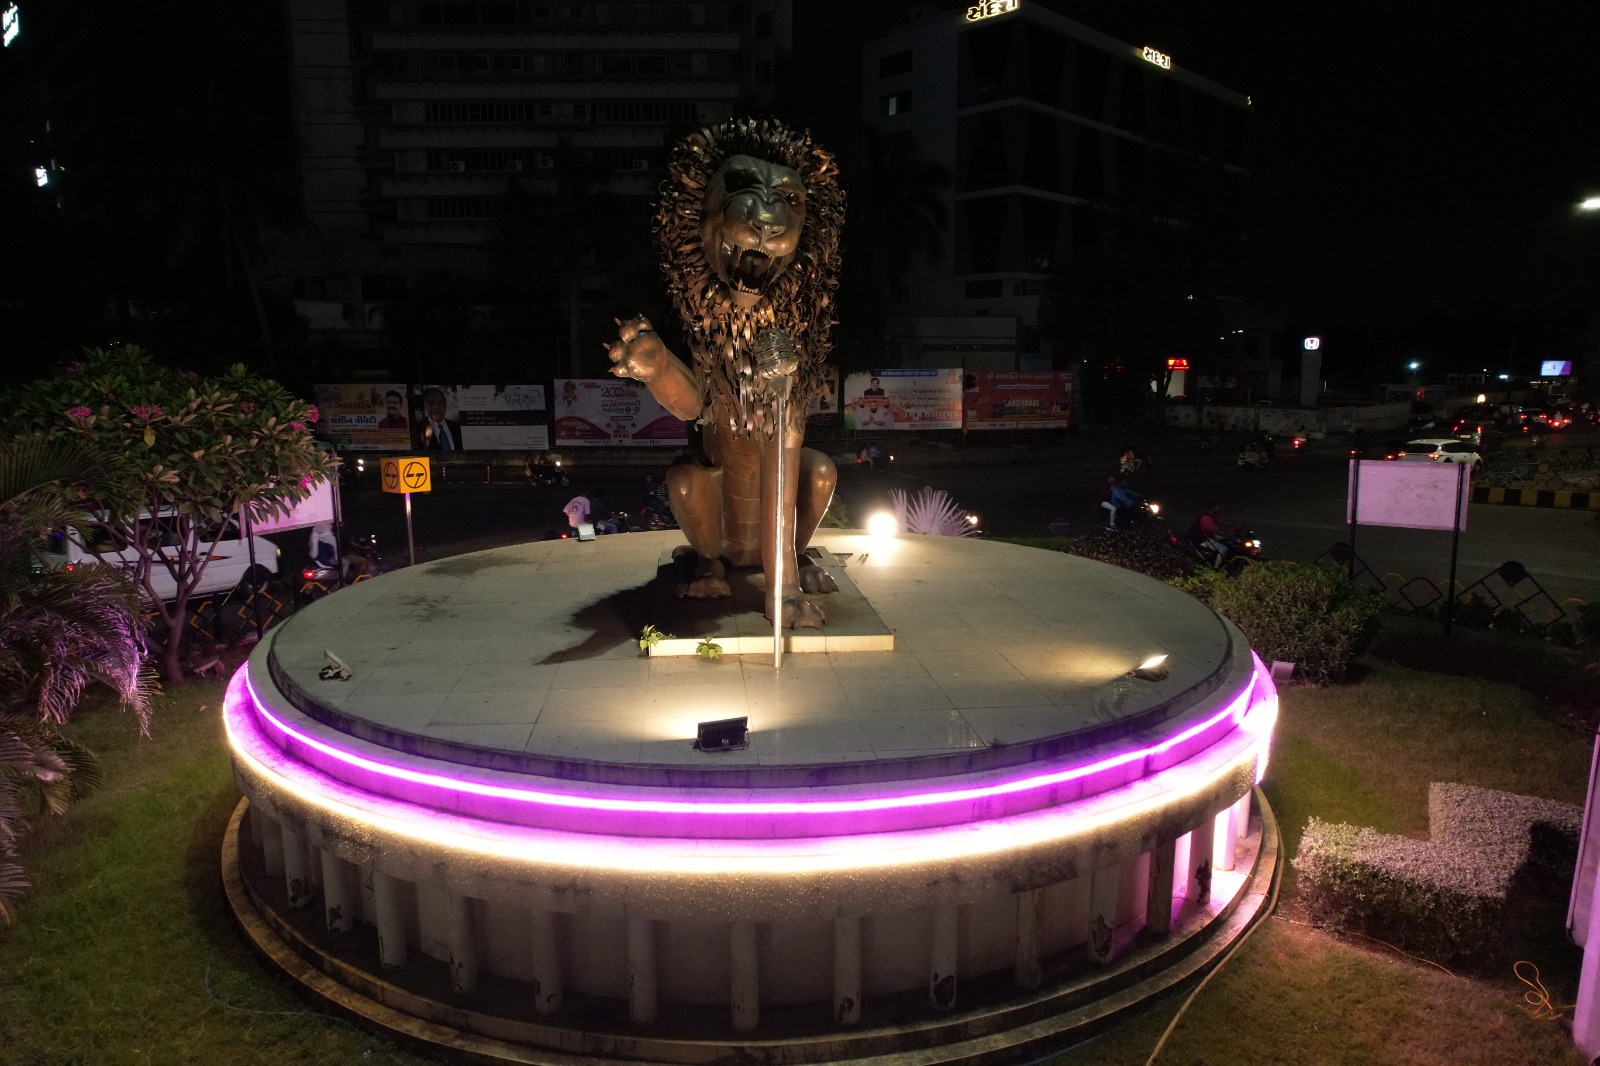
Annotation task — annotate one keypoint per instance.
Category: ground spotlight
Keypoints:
(883, 524)
(725, 734)
(1152, 669)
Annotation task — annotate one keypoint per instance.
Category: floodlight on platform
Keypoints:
(586, 531)
(883, 524)
(725, 734)
(1152, 669)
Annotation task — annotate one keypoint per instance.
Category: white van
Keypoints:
(229, 555)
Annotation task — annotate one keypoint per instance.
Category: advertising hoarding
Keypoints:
(1019, 399)
(364, 417)
(893, 400)
(592, 412)
(480, 418)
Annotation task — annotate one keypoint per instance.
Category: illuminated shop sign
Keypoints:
(1313, 343)
(988, 9)
(10, 24)
(1160, 59)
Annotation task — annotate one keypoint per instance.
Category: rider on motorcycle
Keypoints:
(1207, 535)
(1122, 501)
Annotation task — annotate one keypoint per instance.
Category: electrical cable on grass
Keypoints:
(225, 1005)
(1536, 1000)
(1272, 905)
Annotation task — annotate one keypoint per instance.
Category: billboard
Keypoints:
(824, 406)
(885, 400)
(1018, 399)
(364, 418)
(480, 418)
(610, 411)
(1555, 368)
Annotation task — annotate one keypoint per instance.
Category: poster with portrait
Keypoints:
(893, 400)
(824, 406)
(588, 412)
(480, 418)
(1019, 399)
(365, 417)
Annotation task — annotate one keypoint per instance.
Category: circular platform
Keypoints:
(504, 785)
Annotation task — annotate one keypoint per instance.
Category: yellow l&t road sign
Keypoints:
(407, 474)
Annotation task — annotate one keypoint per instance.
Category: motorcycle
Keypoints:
(1145, 514)
(1230, 553)
(1256, 457)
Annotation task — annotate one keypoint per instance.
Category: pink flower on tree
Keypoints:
(146, 411)
(312, 414)
(79, 412)
(297, 425)
(306, 483)
(247, 408)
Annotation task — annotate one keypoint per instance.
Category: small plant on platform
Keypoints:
(933, 513)
(708, 649)
(650, 636)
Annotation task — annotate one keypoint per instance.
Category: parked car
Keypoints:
(228, 566)
(1440, 450)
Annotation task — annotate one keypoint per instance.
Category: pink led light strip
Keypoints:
(799, 816)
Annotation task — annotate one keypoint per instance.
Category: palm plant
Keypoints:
(932, 512)
(60, 632)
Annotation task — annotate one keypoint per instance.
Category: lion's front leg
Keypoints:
(815, 480)
(695, 493)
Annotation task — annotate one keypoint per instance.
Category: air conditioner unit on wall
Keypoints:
(641, 164)
(457, 166)
(513, 164)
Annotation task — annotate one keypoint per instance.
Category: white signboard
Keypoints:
(1410, 495)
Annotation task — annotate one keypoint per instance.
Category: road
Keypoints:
(1296, 507)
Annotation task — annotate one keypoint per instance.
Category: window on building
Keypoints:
(985, 290)
(439, 63)
(763, 72)
(764, 24)
(512, 62)
(897, 63)
(445, 208)
(478, 62)
(895, 103)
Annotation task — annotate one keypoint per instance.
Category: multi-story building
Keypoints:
(416, 116)
(1062, 142)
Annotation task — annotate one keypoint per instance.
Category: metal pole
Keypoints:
(1355, 504)
(411, 543)
(255, 580)
(1455, 544)
(782, 435)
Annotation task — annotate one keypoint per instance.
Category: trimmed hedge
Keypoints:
(1446, 897)
(1312, 616)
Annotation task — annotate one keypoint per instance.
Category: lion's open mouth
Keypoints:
(747, 268)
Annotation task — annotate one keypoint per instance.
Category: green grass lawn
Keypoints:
(125, 953)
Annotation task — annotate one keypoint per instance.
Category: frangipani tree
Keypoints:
(182, 454)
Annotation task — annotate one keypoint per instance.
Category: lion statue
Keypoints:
(748, 226)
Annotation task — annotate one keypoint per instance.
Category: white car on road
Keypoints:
(1441, 450)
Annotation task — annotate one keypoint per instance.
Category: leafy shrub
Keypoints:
(1446, 897)
(1150, 552)
(1312, 616)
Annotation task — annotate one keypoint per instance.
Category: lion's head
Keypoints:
(748, 225)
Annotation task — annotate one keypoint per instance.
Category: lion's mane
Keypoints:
(799, 301)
